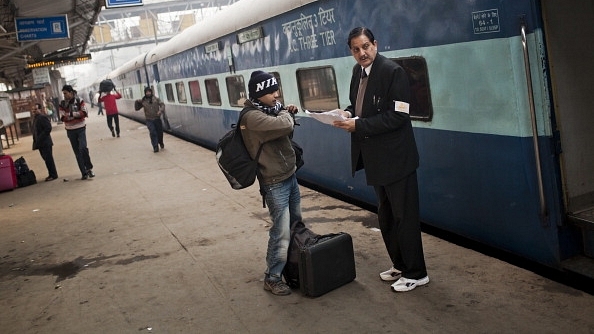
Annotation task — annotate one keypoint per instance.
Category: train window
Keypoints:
(128, 93)
(195, 94)
(420, 104)
(236, 90)
(213, 93)
(169, 92)
(317, 88)
(138, 77)
(181, 92)
(156, 73)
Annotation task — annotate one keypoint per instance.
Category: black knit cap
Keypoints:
(261, 83)
(146, 89)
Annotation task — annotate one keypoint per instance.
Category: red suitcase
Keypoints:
(8, 179)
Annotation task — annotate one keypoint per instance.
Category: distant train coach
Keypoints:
(501, 104)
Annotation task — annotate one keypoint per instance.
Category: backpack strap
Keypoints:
(238, 129)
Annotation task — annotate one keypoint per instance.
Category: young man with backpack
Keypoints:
(269, 124)
(73, 113)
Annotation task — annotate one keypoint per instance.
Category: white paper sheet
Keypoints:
(327, 117)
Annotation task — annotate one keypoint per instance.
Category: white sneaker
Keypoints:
(391, 274)
(407, 284)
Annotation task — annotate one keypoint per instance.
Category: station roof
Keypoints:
(14, 55)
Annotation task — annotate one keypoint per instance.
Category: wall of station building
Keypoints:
(147, 27)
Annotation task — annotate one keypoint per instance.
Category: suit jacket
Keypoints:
(383, 142)
(42, 127)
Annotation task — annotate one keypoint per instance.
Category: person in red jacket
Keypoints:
(111, 110)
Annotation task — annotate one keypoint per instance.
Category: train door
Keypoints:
(160, 94)
(569, 36)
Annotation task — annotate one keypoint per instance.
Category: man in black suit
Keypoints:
(383, 143)
(42, 140)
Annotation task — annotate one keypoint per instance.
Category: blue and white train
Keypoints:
(501, 104)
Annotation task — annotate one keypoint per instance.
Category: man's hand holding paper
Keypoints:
(328, 117)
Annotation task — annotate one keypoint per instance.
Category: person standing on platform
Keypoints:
(100, 105)
(73, 112)
(92, 98)
(56, 102)
(269, 124)
(111, 110)
(42, 140)
(383, 143)
(153, 109)
(51, 111)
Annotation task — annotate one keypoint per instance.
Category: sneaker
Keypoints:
(162, 146)
(278, 288)
(84, 177)
(407, 284)
(90, 173)
(112, 133)
(391, 274)
(156, 149)
(50, 178)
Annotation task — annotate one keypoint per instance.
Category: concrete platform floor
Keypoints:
(159, 243)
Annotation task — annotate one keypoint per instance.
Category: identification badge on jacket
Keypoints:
(401, 106)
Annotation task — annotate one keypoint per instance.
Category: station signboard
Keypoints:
(41, 75)
(41, 28)
(122, 3)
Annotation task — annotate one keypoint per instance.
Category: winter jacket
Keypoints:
(109, 102)
(277, 159)
(73, 113)
(153, 107)
(42, 127)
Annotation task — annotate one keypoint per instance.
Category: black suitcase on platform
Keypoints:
(326, 264)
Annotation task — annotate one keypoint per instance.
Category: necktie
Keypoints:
(361, 93)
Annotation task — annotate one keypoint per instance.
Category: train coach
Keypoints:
(501, 105)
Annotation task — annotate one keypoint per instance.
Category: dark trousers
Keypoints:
(398, 215)
(48, 157)
(116, 119)
(78, 141)
(155, 127)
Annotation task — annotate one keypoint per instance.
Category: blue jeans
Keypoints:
(284, 205)
(155, 127)
(78, 141)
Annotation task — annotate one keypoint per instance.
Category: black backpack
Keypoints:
(234, 159)
(301, 237)
(106, 86)
(20, 166)
(25, 176)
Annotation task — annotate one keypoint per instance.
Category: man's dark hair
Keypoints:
(68, 88)
(358, 32)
